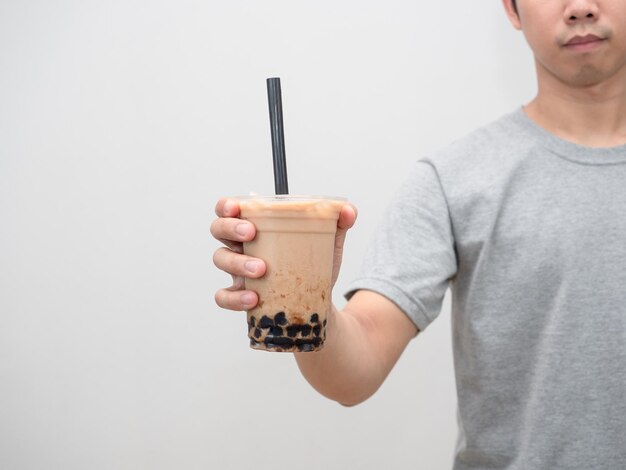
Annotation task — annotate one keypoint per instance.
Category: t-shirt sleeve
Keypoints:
(412, 257)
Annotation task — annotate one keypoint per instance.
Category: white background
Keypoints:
(121, 124)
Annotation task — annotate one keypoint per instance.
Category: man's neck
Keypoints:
(593, 116)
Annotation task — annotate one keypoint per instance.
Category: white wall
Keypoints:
(121, 123)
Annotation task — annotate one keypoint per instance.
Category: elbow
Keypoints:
(351, 401)
(345, 398)
(347, 404)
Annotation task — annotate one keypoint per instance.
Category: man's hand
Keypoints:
(233, 231)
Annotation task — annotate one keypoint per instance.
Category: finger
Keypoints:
(233, 230)
(236, 300)
(347, 217)
(238, 264)
(227, 207)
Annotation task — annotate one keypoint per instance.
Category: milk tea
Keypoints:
(295, 236)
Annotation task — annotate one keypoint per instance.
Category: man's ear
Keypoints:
(512, 14)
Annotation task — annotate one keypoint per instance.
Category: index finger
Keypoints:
(227, 207)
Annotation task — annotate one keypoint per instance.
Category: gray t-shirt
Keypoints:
(529, 231)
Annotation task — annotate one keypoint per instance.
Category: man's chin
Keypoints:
(588, 76)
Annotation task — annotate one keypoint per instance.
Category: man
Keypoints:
(525, 220)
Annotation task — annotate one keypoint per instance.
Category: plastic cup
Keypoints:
(295, 236)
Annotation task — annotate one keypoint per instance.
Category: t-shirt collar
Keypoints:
(569, 150)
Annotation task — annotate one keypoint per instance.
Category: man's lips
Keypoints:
(589, 38)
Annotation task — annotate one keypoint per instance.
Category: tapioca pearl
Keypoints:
(306, 347)
(317, 329)
(280, 319)
(257, 333)
(306, 329)
(276, 331)
(281, 342)
(302, 342)
(266, 322)
(256, 344)
(292, 330)
(315, 318)
(252, 322)
(324, 323)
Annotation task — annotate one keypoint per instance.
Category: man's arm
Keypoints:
(363, 342)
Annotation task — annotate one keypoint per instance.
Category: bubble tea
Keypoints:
(295, 236)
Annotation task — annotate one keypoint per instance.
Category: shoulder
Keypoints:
(490, 144)
(484, 156)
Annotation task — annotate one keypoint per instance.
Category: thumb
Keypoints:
(347, 218)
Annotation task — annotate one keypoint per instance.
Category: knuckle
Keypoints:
(219, 206)
(224, 299)
(222, 229)
(214, 228)
(219, 298)
(228, 261)
(216, 257)
(220, 259)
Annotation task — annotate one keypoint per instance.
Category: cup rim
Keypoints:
(290, 197)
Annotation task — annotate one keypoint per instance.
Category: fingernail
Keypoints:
(242, 229)
(247, 298)
(252, 266)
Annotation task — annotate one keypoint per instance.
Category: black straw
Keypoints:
(278, 135)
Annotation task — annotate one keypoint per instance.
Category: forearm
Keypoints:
(363, 342)
(343, 370)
